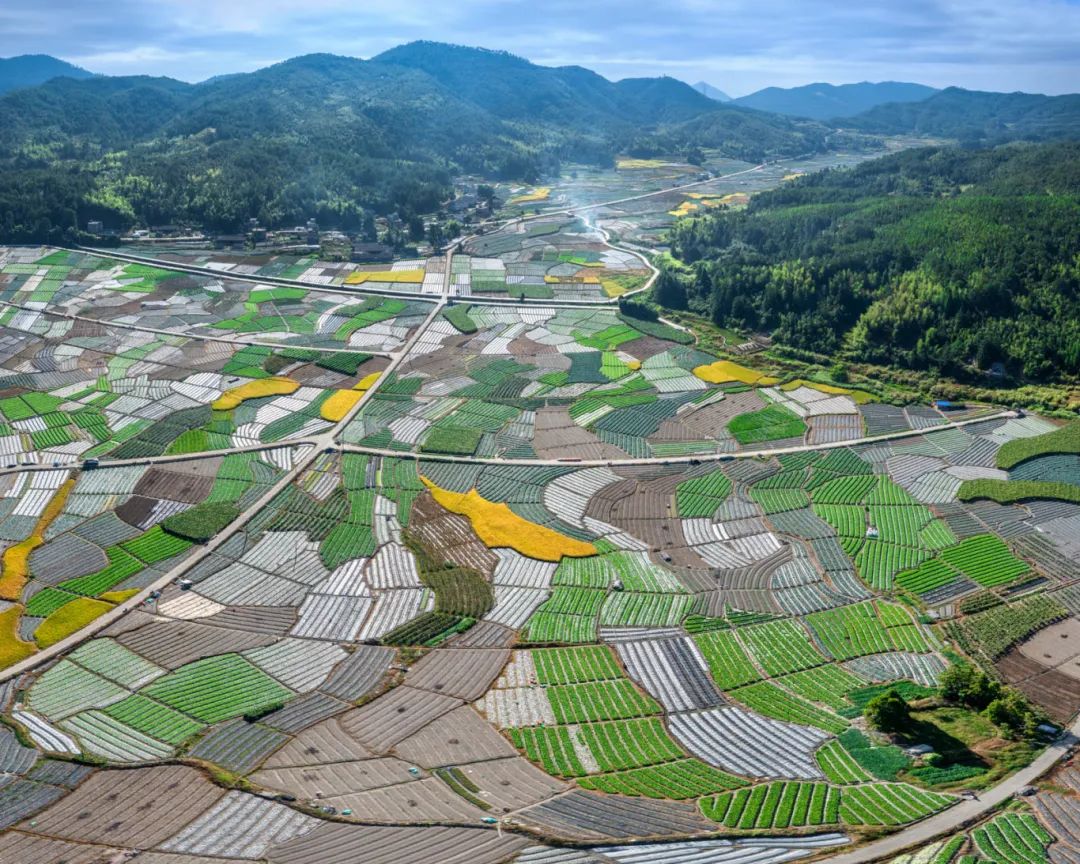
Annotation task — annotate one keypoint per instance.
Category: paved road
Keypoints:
(966, 812)
(670, 460)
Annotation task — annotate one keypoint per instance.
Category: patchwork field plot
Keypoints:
(99, 289)
(558, 382)
(441, 617)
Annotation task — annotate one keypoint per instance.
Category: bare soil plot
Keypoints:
(395, 716)
(139, 808)
(323, 743)
(32, 849)
(356, 844)
(336, 778)
(1058, 693)
(453, 739)
(511, 784)
(1056, 647)
(172, 644)
(427, 800)
(582, 815)
(466, 673)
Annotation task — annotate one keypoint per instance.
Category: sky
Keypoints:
(736, 45)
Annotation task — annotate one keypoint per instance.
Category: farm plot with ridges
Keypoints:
(721, 623)
(775, 805)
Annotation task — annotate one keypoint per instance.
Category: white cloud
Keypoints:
(739, 45)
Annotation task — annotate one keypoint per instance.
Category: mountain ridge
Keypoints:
(30, 70)
(822, 101)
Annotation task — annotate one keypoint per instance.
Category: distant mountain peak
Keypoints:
(823, 101)
(706, 89)
(30, 70)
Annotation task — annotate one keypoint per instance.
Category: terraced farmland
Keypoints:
(470, 602)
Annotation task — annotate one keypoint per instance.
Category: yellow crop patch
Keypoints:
(341, 402)
(724, 371)
(794, 175)
(276, 386)
(118, 596)
(15, 561)
(860, 397)
(540, 193)
(684, 209)
(627, 164)
(68, 619)
(367, 382)
(12, 648)
(362, 276)
(572, 280)
(498, 526)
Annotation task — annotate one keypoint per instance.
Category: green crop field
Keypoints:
(889, 804)
(770, 700)
(771, 423)
(683, 779)
(775, 805)
(781, 647)
(728, 663)
(217, 688)
(604, 700)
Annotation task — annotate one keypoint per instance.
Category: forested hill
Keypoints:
(29, 70)
(828, 101)
(974, 117)
(330, 137)
(939, 258)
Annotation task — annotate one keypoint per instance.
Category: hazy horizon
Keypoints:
(737, 47)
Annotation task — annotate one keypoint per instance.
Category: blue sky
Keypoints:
(737, 45)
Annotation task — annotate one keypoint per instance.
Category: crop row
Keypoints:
(686, 778)
(889, 804)
(600, 700)
(996, 630)
(985, 559)
(781, 647)
(726, 659)
(775, 805)
(838, 765)
(1013, 837)
(768, 699)
(575, 665)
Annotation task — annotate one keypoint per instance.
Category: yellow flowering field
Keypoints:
(12, 648)
(724, 371)
(68, 619)
(540, 193)
(362, 276)
(15, 560)
(499, 526)
(340, 403)
(276, 386)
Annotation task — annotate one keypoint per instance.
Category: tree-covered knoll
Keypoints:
(335, 138)
(936, 259)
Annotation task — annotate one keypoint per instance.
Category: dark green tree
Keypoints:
(888, 712)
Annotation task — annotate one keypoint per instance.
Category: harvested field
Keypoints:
(1056, 692)
(356, 844)
(139, 808)
(455, 738)
(394, 716)
(465, 673)
(583, 815)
